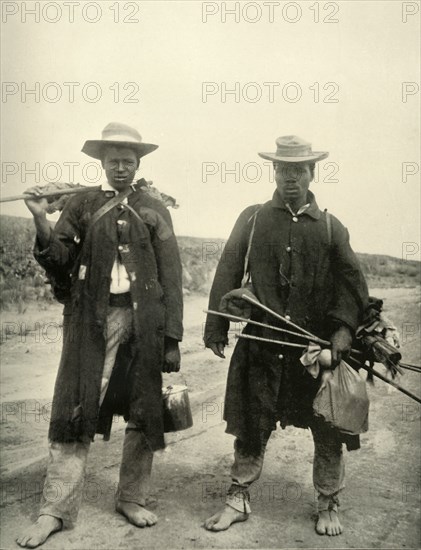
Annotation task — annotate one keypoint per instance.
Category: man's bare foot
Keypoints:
(39, 531)
(222, 520)
(328, 523)
(136, 514)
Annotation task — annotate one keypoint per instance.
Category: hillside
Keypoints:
(22, 280)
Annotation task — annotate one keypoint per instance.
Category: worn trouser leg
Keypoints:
(328, 466)
(245, 469)
(118, 329)
(136, 462)
(136, 468)
(63, 487)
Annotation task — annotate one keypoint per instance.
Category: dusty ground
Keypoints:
(380, 507)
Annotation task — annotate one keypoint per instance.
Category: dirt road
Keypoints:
(380, 507)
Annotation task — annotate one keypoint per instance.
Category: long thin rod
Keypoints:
(368, 369)
(264, 325)
(268, 310)
(57, 193)
(390, 382)
(268, 340)
(409, 367)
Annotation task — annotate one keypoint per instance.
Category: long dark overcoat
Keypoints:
(82, 255)
(299, 269)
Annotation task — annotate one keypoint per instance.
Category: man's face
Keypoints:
(120, 164)
(293, 180)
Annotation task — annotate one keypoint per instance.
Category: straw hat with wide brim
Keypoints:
(119, 135)
(294, 149)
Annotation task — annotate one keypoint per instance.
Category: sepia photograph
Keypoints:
(210, 274)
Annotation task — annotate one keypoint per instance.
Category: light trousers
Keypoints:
(64, 484)
(328, 468)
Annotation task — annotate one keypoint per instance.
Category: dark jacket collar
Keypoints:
(313, 210)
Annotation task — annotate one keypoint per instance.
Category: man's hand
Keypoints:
(218, 349)
(171, 355)
(341, 341)
(37, 206)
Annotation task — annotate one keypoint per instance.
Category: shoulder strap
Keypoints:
(109, 205)
(329, 227)
(246, 275)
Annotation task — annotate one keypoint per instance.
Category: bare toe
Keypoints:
(321, 527)
(39, 532)
(328, 523)
(136, 514)
(210, 522)
(223, 520)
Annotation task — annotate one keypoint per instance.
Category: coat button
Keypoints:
(287, 317)
(120, 247)
(288, 249)
(295, 219)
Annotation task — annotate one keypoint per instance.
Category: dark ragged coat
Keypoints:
(148, 249)
(296, 269)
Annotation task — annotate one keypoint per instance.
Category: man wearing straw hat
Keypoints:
(113, 261)
(299, 264)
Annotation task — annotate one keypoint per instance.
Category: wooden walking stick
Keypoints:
(63, 189)
(55, 193)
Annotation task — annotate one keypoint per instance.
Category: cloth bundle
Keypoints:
(342, 399)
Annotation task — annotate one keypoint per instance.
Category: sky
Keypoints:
(342, 75)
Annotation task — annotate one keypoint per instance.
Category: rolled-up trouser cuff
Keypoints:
(330, 502)
(238, 498)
